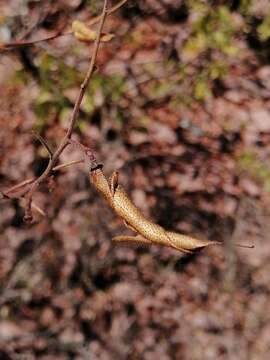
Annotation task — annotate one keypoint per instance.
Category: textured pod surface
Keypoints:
(148, 232)
(124, 207)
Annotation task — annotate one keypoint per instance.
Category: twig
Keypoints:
(22, 186)
(44, 143)
(29, 195)
(38, 209)
(62, 166)
(96, 19)
(20, 43)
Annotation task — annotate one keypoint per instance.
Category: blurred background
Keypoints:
(180, 105)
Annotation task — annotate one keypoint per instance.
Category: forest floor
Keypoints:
(195, 166)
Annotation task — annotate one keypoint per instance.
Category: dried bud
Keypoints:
(83, 33)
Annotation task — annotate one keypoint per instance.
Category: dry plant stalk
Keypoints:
(54, 158)
(32, 185)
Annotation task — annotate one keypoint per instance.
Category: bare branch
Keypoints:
(27, 188)
(29, 195)
(44, 143)
(38, 209)
(62, 166)
(96, 19)
(20, 189)
(20, 43)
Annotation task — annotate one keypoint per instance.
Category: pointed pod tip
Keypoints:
(245, 246)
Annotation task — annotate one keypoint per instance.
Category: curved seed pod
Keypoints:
(131, 215)
(124, 208)
(148, 232)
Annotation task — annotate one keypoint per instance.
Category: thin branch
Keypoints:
(96, 19)
(21, 187)
(38, 209)
(44, 143)
(62, 166)
(20, 43)
(12, 192)
(28, 213)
